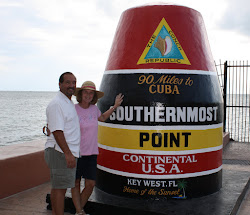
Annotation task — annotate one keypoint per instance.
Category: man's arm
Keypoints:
(61, 141)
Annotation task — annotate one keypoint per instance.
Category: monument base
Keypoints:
(182, 188)
(225, 201)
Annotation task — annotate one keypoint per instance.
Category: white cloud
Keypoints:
(4, 61)
(236, 17)
(46, 38)
(6, 3)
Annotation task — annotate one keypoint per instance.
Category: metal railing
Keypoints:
(234, 78)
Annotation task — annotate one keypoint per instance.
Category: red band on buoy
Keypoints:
(165, 165)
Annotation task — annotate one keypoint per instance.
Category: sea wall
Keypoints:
(226, 138)
(22, 166)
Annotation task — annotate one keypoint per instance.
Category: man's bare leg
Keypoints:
(57, 201)
(75, 192)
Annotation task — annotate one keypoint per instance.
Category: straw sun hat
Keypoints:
(89, 85)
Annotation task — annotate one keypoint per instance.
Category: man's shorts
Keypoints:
(61, 176)
(86, 167)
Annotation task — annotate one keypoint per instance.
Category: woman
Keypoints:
(89, 115)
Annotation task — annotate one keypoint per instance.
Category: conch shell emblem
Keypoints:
(164, 45)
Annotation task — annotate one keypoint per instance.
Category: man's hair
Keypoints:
(61, 79)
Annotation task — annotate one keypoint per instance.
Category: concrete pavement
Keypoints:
(232, 199)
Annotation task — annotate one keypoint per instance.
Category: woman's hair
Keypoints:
(79, 97)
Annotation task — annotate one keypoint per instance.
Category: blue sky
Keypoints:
(40, 39)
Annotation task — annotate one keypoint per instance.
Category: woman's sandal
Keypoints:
(81, 213)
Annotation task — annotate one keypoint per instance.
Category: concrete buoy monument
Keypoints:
(165, 140)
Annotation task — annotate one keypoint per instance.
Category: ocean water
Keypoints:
(238, 117)
(23, 114)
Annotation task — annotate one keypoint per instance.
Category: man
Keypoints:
(62, 148)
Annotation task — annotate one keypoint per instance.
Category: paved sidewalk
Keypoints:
(237, 156)
(230, 200)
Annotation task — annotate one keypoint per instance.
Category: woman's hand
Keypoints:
(118, 100)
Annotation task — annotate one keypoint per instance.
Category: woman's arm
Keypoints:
(118, 101)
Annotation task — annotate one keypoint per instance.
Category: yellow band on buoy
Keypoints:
(128, 137)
